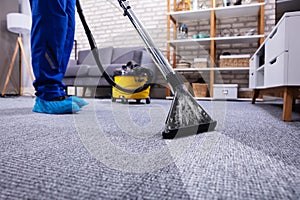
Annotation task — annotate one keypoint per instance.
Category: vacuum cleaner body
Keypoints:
(186, 116)
(131, 82)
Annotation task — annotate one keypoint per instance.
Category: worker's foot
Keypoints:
(79, 101)
(56, 106)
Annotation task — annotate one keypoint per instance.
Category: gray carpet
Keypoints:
(115, 151)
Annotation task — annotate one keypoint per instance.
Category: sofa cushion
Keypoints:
(86, 57)
(77, 70)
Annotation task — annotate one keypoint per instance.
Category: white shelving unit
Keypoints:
(212, 14)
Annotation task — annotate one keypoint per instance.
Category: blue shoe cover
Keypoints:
(55, 107)
(80, 102)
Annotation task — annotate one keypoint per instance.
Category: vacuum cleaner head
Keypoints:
(186, 117)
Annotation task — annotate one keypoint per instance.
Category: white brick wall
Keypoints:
(111, 28)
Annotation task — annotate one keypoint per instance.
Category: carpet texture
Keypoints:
(115, 151)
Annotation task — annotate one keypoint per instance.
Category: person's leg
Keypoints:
(48, 37)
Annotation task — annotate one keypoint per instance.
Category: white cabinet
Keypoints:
(282, 52)
(277, 61)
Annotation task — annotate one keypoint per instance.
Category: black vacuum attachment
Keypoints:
(186, 116)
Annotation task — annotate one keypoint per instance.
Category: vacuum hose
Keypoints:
(94, 50)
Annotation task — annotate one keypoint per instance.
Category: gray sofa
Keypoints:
(84, 72)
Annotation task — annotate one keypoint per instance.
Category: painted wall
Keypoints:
(8, 42)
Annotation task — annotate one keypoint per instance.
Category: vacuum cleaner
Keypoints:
(186, 117)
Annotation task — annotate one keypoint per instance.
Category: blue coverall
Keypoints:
(52, 36)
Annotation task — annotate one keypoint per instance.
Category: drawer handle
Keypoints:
(272, 35)
(225, 92)
(273, 61)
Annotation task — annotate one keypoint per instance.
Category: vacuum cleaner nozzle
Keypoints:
(186, 117)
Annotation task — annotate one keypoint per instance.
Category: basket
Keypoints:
(234, 61)
(183, 65)
(200, 65)
(184, 5)
(200, 89)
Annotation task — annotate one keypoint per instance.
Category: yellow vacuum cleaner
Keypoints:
(130, 82)
(131, 76)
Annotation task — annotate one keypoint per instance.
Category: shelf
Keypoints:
(238, 11)
(218, 40)
(195, 15)
(221, 12)
(238, 39)
(190, 42)
(211, 69)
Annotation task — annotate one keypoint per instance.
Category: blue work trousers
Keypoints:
(52, 37)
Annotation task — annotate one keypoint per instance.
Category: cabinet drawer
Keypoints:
(276, 43)
(276, 71)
